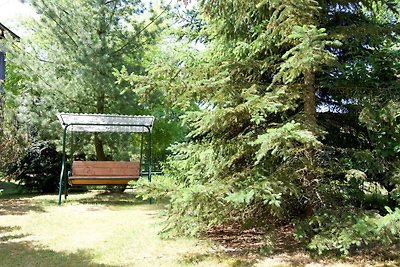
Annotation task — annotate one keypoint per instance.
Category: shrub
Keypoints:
(12, 149)
(39, 167)
(342, 231)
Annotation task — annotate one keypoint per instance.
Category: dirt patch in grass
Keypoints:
(259, 247)
(235, 240)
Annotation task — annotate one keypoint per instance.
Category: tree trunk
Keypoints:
(100, 155)
(100, 104)
(311, 124)
(310, 102)
(98, 143)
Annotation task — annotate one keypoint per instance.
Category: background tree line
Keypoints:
(67, 64)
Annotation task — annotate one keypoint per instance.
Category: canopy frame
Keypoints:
(117, 127)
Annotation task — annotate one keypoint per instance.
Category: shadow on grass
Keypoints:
(7, 229)
(289, 259)
(10, 237)
(14, 202)
(27, 254)
(241, 247)
(17, 205)
(112, 199)
(7, 233)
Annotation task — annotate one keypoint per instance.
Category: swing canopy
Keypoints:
(76, 122)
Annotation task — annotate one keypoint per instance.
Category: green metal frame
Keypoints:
(65, 128)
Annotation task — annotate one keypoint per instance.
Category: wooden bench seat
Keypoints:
(103, 172)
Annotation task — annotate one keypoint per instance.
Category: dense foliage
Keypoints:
(38, 166)
(299, 116)
(67, 64)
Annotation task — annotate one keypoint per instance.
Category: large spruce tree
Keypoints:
(298, 115)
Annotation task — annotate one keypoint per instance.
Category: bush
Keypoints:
(345, 230)
(39, 167)
(12, 149)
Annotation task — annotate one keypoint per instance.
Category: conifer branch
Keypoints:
(58, 24)
(142, 30)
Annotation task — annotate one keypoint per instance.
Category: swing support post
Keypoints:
(62, 165)
(149, 161)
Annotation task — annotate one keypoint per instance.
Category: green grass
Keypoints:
(90, 229)
(94, 229)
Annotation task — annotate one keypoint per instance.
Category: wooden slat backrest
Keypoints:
(105, 168)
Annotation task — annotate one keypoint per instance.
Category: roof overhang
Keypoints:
(77, 122)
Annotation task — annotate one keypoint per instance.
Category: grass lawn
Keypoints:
(95, 229)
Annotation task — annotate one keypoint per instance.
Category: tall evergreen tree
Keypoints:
(281, 87)
(70, 58)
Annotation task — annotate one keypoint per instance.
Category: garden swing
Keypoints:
(86, 173)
